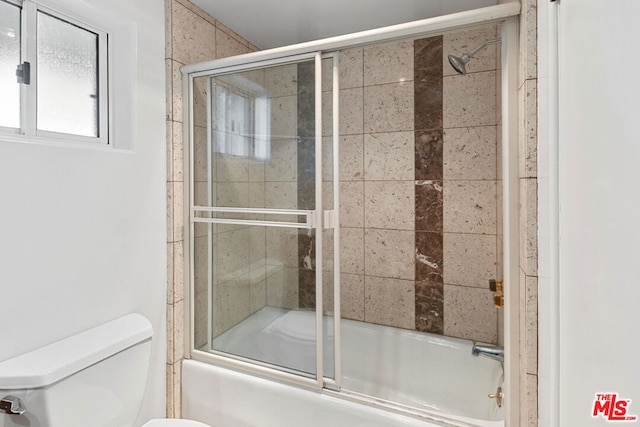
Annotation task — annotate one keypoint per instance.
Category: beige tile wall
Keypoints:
(191, 36)
(377, 171)
(377, 184)
(470, 193)
(527, 142)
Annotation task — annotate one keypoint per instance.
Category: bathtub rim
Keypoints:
(443, 419)
(461, 346)
(252, 368)
(272, 370)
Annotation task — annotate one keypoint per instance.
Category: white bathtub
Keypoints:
(425, 371)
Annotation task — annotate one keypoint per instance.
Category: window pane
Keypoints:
(67, 77)
(9, 60)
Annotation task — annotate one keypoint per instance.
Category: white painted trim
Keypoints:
(511, 221)
(548, 217)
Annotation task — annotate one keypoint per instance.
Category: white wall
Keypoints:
(599, 196)
(83, 232)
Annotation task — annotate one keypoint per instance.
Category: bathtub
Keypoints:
(434, 374)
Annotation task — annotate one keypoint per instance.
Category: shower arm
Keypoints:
(482, 46)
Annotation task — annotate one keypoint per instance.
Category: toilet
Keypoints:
(173, 423)
(95, 378)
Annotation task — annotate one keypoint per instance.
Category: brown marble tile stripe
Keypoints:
(306, 180)
(429, 285)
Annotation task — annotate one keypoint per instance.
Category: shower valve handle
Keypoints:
(499, 396)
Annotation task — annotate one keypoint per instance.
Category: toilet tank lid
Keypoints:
(51, 363)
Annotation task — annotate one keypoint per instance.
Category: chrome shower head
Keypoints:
(459, 62)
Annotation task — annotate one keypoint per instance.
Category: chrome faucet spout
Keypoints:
(487, 350)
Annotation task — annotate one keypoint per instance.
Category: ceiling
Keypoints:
(274, 23)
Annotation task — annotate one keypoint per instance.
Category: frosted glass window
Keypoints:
(9, 60)
(67, 98)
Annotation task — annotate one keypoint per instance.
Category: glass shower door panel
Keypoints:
(255, 209)
(256, 298)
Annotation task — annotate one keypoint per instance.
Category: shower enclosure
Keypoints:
(345, 198)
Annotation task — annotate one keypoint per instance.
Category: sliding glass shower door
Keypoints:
(262, 236)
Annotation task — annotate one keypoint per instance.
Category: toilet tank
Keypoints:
(95, 378)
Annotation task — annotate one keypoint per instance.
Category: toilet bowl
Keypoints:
(94, 378)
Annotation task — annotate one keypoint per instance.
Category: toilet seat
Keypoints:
(171, 422)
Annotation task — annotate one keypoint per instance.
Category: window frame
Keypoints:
(28, 130)
(5, 129)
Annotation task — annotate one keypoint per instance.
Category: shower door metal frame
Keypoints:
(318, 219)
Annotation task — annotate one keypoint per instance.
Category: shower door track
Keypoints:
(422, 28)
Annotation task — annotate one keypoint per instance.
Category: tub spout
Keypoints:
(490, 351)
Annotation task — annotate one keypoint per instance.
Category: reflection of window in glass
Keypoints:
(9, 59)
(67, 77)
(240, 119)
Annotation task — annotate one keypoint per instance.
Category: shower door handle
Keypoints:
(329, 219)
(202, 214)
